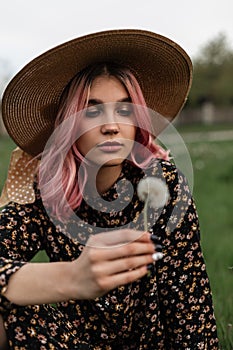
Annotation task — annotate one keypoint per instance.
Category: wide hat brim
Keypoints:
(30, 101)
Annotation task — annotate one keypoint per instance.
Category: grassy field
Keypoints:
(213, 193)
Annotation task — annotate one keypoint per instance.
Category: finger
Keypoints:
(118, 238)
(125, 277)
(118, 252)
(125, 264)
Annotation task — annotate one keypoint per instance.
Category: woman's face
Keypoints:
(107, 126)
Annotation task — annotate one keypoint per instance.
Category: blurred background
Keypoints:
(205, 30)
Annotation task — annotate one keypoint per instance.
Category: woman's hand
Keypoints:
(110, 260)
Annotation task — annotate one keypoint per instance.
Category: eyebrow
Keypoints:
(94, 101)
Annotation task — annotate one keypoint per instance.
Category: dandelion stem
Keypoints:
(145, 213)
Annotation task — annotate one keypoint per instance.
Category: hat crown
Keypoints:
(30, 102)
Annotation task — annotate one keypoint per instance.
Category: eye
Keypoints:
(92, 112)
(125, 111)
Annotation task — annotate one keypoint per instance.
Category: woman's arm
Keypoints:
(108, 260)
(20, 239)
(105, 263)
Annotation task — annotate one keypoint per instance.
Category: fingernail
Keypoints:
(157, 256)
(154, 238)
(158, 247)
(150, 267)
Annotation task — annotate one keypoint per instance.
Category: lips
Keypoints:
(110, 146)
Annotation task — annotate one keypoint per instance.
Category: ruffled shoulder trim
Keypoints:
(19, 185)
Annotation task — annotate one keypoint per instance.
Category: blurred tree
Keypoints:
(4, 79)
(5, 74)
(213, 74)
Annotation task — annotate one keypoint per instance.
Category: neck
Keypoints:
(105, 178)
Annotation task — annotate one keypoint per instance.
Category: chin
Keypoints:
(113, 162)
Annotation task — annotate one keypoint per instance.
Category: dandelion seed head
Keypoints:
(154, 190)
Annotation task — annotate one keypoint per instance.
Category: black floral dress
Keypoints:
(170, 308)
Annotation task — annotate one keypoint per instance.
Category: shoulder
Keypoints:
(162, 168)
(168, 172)
(24, 209)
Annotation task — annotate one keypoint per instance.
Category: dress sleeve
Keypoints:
(20, 239)
(184, 291)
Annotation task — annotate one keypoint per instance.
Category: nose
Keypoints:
(110, 126)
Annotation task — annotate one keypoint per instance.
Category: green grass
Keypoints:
(6, 146)
(213, 193)
(202, 127)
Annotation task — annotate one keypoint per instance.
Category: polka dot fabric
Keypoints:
(21, 175)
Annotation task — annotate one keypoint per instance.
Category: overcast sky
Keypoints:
(28, 28)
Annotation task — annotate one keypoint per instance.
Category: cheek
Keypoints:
(86, 141)
(83, 144)
(130, 135)
(129, 132)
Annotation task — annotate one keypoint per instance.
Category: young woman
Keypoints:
(110, 286)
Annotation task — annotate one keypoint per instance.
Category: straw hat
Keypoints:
(30, 101)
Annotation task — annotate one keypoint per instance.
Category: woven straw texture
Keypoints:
(30, 102)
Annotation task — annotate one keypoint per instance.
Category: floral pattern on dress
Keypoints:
(170, 308)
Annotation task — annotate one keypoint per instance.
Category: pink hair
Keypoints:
(61, 193)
